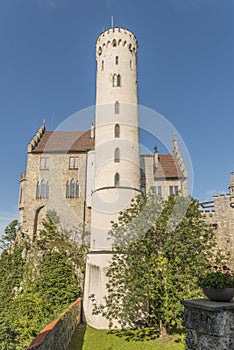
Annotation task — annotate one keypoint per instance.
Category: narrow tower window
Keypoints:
(115, 80)
(118, 80)
(102, 66)
(117, 155)
(131, 64)
(117, 180)
(116, 107)
(117, 60)
(117, 130)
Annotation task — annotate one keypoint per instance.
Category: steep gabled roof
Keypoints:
(64, 141)
(167, 168)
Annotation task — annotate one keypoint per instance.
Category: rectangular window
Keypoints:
(44, 163)
(173, 190)
(73, 162)
(156, 191)
(153, 190)
(160, 191)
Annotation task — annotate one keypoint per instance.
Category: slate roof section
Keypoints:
(168, 167)
(64, 141)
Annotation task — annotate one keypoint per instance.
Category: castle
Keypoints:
(88, 177)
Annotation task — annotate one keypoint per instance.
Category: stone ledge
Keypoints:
(206, 304)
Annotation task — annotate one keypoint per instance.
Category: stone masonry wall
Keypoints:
(71, 211)
(221, 219)
(209, 325)
(57, 335)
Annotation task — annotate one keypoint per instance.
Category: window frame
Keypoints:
(44, 163)
(73, 163)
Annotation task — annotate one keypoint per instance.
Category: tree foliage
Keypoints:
(161, 248)
(37, 281)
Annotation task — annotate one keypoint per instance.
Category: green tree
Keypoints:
(37, 281)
(9, 234)
(161, 247)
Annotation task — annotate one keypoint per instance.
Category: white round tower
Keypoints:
(117, 158)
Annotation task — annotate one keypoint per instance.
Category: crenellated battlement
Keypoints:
(208, 213)
(116, 37)
(36, 139)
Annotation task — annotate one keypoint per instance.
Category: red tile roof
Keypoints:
(168, 167)
(64, 141)
(40, 338)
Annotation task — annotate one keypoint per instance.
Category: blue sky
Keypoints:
(185, 72)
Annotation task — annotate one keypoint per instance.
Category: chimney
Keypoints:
(156, 157)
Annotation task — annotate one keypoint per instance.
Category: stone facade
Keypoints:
(219, 213)
(209, 325)
(54, 180)
(164, 174)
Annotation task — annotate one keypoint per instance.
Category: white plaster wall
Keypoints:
(95, 283)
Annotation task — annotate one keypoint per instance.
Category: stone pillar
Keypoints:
(209, 325)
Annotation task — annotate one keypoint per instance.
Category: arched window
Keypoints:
(117, 130)
(77, 189)
(68, 189)
(114, 43)
(72, 188)
(115, 80)
(117, 60)
(117, 155)
(116, 107)
(38, 193)
(47, 190)
(117, 180)
(42, 189)
(118, 80)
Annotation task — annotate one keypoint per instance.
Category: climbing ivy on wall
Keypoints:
(37, 281)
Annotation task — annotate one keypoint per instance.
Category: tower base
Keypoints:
(97, 264)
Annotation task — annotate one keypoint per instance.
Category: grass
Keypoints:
(87, 338)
